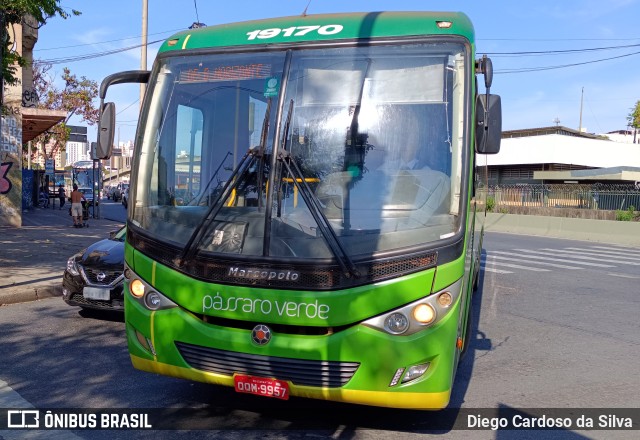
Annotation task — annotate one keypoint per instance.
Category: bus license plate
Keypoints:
(261, 386)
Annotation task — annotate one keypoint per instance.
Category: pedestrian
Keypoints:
(76, 206)
(61, 196)
(44, 198)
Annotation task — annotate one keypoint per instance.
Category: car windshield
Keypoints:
(369, 144)
(120, 234)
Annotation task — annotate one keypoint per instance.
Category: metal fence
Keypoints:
(597, 196)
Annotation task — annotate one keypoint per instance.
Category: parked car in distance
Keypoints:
(88, 195)
(125, 197)
(119, 190)
(94, 276)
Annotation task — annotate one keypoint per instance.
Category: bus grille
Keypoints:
(326, 374)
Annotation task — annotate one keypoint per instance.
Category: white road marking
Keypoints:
(493, 269)
(581, 256)
(543, 263)
(547, 258)
(624, 275)
(10, 399)
(603, 253)
(517, 266)
(627, 250)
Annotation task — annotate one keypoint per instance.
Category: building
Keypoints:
(77, 147)
(20, 123)
(624, 136)
(561, 155)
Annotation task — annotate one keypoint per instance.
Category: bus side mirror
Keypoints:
(488, 124)
(106, 131)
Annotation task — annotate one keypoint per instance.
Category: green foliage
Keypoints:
(627, 216)
(633, 119)
(75, 98)
(13, 12)
(491, 204)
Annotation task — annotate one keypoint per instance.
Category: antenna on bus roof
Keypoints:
(304, 13)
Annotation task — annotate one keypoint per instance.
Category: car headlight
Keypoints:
(417, 315)
(72, 266)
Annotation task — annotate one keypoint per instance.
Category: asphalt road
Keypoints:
(111, 210)
(555, 326)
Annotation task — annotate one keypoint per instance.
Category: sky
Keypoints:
(574, 63)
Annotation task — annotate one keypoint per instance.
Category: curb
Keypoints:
(26, 294)
(604, 231)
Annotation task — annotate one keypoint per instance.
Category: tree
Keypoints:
(633, 119)
(12, 12)
(76, 98)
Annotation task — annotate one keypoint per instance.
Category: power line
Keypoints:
(561, 52)
(555, 40)
(103, 42)
(562, 66)
(95, 54)
(494, 54)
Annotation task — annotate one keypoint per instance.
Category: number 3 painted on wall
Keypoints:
(5, 183)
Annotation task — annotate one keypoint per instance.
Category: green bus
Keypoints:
(302, 218)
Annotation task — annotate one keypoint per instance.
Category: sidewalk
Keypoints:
(34, 257)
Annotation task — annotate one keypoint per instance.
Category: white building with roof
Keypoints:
(559, 154)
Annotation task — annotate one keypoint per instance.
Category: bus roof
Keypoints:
(322, 27)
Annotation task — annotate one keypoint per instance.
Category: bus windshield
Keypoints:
(294, 153)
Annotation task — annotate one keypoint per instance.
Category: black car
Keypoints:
(94, 277)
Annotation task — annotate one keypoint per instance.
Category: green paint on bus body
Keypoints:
(290, 307)
(379, 354)
(319, 28)
(202, 305)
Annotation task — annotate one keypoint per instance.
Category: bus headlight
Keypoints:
(153, 300)
(415, 372)
(424, 314)
(413, 317)
(146, 294)
(396, 323)
(136, 287)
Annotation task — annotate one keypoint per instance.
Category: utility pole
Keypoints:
(581, 99)
(143, 54)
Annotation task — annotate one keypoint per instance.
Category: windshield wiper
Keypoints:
(287, 126)
(321, 220)
(263, 149)
(205, 193)
(351, 143)
(191, 247)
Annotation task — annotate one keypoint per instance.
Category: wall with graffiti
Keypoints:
(11, 170)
